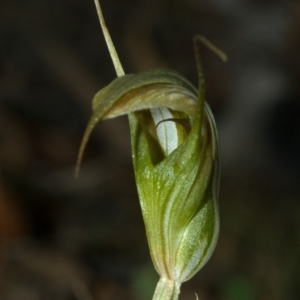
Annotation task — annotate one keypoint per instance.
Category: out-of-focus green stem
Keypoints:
(167, 290)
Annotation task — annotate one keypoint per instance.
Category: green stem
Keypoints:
(167, 290)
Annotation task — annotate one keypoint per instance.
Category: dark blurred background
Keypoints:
(64, 238)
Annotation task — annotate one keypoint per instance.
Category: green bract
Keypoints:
(175, 157)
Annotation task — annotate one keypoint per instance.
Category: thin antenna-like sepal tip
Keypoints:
(211, 46)
(77, 168)
(78, 163)
(84, 141)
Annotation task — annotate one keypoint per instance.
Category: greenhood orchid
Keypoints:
(176, 163)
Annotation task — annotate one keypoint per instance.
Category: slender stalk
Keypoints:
(111, 48)
(167, 290)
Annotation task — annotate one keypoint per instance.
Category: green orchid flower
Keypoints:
(176, 163)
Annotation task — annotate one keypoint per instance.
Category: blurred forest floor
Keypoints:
(64, 238)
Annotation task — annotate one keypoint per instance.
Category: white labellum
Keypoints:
(166, 131)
